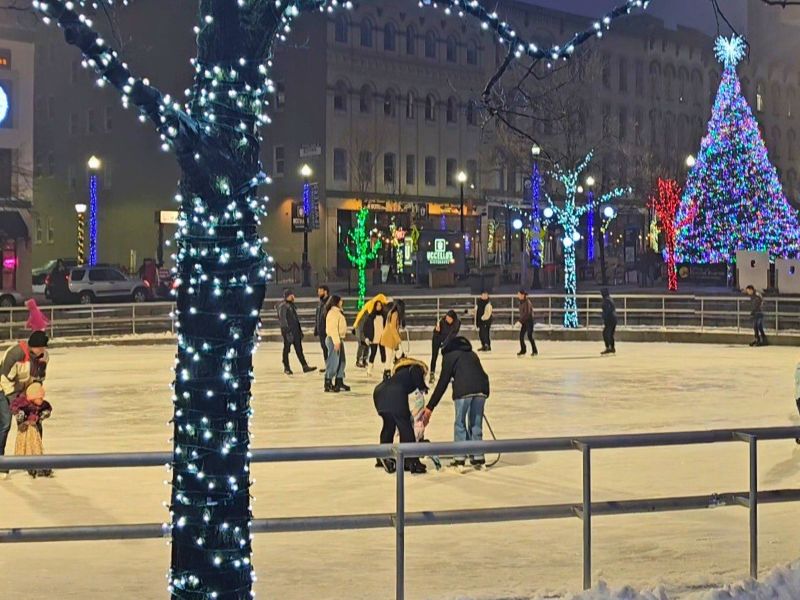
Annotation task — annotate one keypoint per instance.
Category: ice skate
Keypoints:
(307, 369)
(522, 353)
(389, 465)
(329, 386)
(287, 371)
(339, 386)
(478, 464)
(369, 369)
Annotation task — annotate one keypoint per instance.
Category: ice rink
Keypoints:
(109, 399)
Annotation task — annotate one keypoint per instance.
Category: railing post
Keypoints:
(777, 314)
(52, 322)
(133, 318)
(91, 321)
(702, 313)
(663, 312)
(753, 506)
(400, 527)
(11, 324)
(585, 513)
(550, 311)
(738, 318)
(625, 310)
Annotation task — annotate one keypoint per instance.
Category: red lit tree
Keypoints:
(665, 205)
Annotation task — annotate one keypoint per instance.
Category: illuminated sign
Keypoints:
(5, 58)
(440, 255)
(4, 105)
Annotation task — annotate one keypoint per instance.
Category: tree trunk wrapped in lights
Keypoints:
(568, 217)
(665, 205)
(222, 268)
(361, 250)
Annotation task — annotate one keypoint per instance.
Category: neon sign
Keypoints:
(440, 255)
(3, 105)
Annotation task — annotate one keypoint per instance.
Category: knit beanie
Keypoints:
(38, 339)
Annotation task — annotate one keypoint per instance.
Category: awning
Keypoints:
(12, 225)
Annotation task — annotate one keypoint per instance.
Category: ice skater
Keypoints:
(797, 390)
(391, 398)
(362, 354)
(609, 322)
(373, 330)
(291, 332)
(757, 313)
(324, 294)
(390, 339)
(30, 409)
(525, 320)
(470, 390)
(336, 328)
(446, 329)
(483, 321)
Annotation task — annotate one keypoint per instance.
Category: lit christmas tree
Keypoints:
(733, 199)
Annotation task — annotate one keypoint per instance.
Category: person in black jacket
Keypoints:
(757, 312)
(324, 295)
(446, 329)
(292, 332)
(470, 390)
(609, 322)
(483, 321)
(391, 402)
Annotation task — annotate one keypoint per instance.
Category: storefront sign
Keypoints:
(168, 217)
(706, 274)
(307, 150)
(440, 255)
(298, 222)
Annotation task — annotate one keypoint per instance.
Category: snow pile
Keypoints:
(782, 583)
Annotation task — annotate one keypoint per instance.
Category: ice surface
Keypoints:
(117, 399)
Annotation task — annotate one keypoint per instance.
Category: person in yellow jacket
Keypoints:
(395, 321)
(358, 329)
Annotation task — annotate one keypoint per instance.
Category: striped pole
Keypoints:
(80, 237)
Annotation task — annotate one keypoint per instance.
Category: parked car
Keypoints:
(10, 298)
(101, 282)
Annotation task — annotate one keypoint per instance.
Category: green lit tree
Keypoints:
(361, 250)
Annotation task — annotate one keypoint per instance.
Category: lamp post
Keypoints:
(306, 172)
(691, 161)
(80, 210)
(461, 177)
(536, 224)
(94, 165)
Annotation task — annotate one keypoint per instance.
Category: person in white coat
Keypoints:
(336, 330)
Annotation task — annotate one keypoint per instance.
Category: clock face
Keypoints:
(3, 105)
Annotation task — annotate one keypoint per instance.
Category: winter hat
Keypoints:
(288, 292)
(38, 339)
(36, 320)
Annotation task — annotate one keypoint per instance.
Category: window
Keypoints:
(389, 37)
(339, 164)
(50, 234)
(366, 33)
(99, 274)
(91, 116)
(452, 50)
(623, 75)
(639, 78)
(655, 80)
(452, 110)
(430, 45)
(108, 118)
(472, 173)
(605, 124)
(430, 170)
(411, 169)
(669, 77)
(776, 100)
(280, 95)
(365, 166)
(279, 161)
(776, 143)
(77, 274)
(472, 53)
(411, 41)
(388, 168)
(430, 108)
(790, 100)
(365, 100)
(342, 29)
(73, 123)
(472, 116)
(410, 106)
(760, 97)
(683, 81)
(340, 97)
(637, 129)
(450, 172)
(388, 104)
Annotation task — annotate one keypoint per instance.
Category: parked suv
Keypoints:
(90, 284)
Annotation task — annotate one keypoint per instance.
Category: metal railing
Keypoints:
(698, 313)
(585, 510)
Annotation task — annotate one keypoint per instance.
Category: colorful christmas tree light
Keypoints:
(665, 204)
(361, 250)
(733, 199)
(568, 217)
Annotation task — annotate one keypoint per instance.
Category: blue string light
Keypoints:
(590, 228)
(536, 192)
(92, 220)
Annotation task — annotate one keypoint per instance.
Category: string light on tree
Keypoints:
(568, 217)
(221, 264)
(94, 165)
(361, 250)
(733, 199)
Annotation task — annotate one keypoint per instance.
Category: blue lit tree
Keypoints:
(733, 199)
(568, 216)
(222, 267)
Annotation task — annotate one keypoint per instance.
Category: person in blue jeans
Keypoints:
(470, 390)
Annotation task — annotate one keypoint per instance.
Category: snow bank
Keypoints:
(782, 583)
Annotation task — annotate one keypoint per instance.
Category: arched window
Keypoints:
(342, 29)
(791, 98)
(683, 133)
(472, 53)
(776, 143)
(340, 96)
(655, 80)
(791, 185)
(452, 50)
(389, 37)
(365, 100)
(697, 87)
(389, 104)
(791, 141)
(411, 106)
(430, 108)
(653, 126)
(430, 45)
(472, 113)
(452, 110)
(411, 41)
(776, 100)
(683, 81)
(669, 79)
(366, 33)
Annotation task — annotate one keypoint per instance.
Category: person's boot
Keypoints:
(307, 369)
(754, 343)
(287, 371)
(340, 386)
(414, 465)
(369, 369)
(522, 352)
(605, 352)
(329, 386)
(535, 352)
(389, 465)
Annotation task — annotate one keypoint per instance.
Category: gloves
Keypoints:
(45, 414)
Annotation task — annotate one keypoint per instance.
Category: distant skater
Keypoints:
(446, 329)
(609, 322)
(483, 321)
(525, 320)
(757, 313)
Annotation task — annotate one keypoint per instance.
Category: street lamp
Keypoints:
(536, 249)
(80, 210)
(691, 161)
(306, 172)
(94, 165)
(461, 177)
(536, 151)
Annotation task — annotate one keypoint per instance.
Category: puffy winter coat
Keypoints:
(483, 314)
(444, 331)
(525, 311)
(463, 367)
(391, 395)
(391, 334)
(756, 300)
(609, 311)
(374, 326)
(19, 368)
(336, 324)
